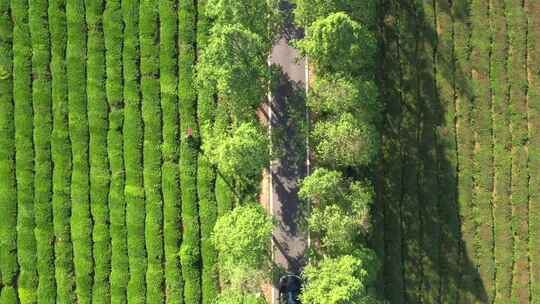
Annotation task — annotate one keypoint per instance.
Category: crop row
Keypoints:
(391, 162)
(483, 154)
(517, 75)
(502, 209)
(533, 64)
(8, 192)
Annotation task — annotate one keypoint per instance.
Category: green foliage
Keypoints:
(340, 280)
(308, 11)
(206, 174)
(170, 184)
(234, 65)
(518, 82)
(330, 96)
(262, 17)
(502, 211)
(340, 215)
(323, 187)
(112, 28)
(133, 158)
(61, 156)
(8, 190)
(240, 297)
(190, 250)
(338, 44)
(42, 104)
(98, 109)
(241, 154)
(345, 142)
(24, 166)
(241, 239)
(151, 112)
(81, 223)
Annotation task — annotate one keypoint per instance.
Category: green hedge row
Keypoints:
(190, 257)
(61, 156)
(224, 193)
(533, 41)
(450, 237)
(24, 166)
(502, 208)
(517, 76)
(483, 153)
(8, 190)
(412, 233)
(206, 175)
(392, 264)
(170, 184)
(428, 195)
(98, 110)
(151, 111)
(465, 144)
(133, 158)
(41, 98)
(81, 221)
(112, 27)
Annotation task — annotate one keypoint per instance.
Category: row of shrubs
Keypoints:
(8, 197)
(344, 110)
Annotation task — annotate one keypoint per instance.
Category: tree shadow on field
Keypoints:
(418, 231)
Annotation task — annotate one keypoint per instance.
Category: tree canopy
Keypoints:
(241, 153)
(339, 45)
(332, 95)
(340, 280)
(345, 141)
(234, 64)
(241, 238)
(307, 11)
(260, 17)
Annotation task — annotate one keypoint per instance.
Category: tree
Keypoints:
(345, 141)
(340, 215)
(339, 45)
(307, 11)
(323, 187)
(242, 153)
(241, 238)
(332, 95)
(340, 280)
(234, 66)
(260, 17)
(240, 297)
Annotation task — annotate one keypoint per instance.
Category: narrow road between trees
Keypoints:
(287, 116)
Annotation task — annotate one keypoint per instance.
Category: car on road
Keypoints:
(289, 289)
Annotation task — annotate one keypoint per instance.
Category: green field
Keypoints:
(106, 197)
(457, 213)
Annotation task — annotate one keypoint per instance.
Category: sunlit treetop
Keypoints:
(339, 45)
(307, 11)
(234, 65)
(261, 17)
(340, 280)
(333, 95)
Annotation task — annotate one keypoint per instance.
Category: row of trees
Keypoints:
(232, 79)
(344, 111)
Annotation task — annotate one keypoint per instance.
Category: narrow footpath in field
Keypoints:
(287, 115)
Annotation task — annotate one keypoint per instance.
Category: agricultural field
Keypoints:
(107, 194)
(456, 218)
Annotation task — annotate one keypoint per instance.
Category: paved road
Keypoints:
(287, 110)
